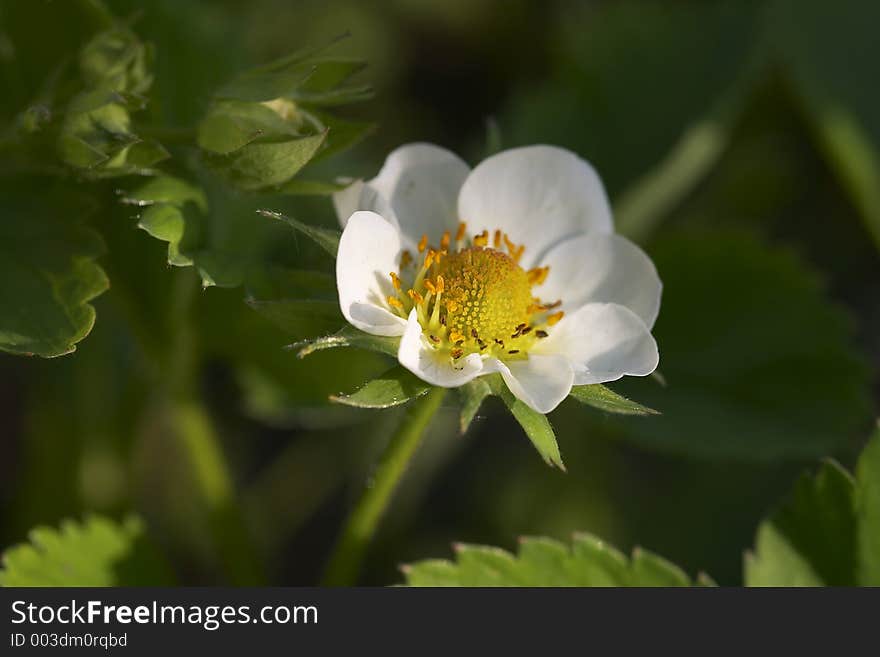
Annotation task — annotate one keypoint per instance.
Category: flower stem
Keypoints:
(345, 562)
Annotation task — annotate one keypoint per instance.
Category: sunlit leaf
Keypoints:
(472, 395)
(588, 561)
(605, 399)
(395, 387)
(326, 238)
(347, 337)
(96, 552)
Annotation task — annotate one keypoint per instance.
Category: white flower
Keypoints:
(513, 268)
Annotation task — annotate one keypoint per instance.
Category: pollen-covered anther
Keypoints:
(555, 317)
(482, 239)
(394, 302)
(395, 280)
(444, 241)
(423, 243)
(538, 275)
(416, 297)
(459, 234)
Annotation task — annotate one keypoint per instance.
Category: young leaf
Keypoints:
(547, 562)
(347, 337)
(605, 399)
(96, 552)
(536, 425)
(395, 387)
(809, 541)
(324, 237)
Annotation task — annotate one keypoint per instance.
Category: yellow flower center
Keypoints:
(474, 298)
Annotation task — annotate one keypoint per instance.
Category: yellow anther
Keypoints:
(455, 336)
(538, 275)
(555, 317)
(430, 256)
(444, 241)
(482, 239)
(395, 280)
(415, 296)
(430, 286)
(497, 241)
(459, 235)
(405, 259)
(423, 243)
(440, 284)
(394, 302)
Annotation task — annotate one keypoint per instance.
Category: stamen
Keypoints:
(555, 317)
(482, 239)
(538, 275)
(457, 353)
(444, 241)
(394, 302)
(430, 286)
(497, 241)
(405, 259)
(455, 336)
(541, 333)
(459, 235)
(416, 297)
(395, 280)
(423, 243)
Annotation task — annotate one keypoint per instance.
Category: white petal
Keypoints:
(538, 195)
(541, 381)
(419, 184)
(369, 250)
(347, 201)
(416, 355)
(603, 342)
(598, 267)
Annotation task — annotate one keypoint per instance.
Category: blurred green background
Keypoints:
(740, 143)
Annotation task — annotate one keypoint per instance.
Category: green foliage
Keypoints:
(348, 337)
(605, 399)
(472, 395)
(826, 533)
(96, 552)
(759, 364)
(265, 125)
(546, 562)
(326, 238)
(48, 275)
(395, 387)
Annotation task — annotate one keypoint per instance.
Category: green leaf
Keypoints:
(868, 513)
(472, 395)
(261, 164)
(605, 399)
(231, 125)
(96, 552)
(809, 541)
(300, 318)
(300, 187)
(547, 562)
(760, 364)
(48, 274)
(348, 336)
(395, 387)
(324, 237)
(536, 425)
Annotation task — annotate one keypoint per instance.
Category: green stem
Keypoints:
(201, 444)
(345, 562)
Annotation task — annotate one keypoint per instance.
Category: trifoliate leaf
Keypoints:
(326, 238)
(605, 399)
(536, 425)
(472, 395)
(759, 364)
(96, 552)
(347, 337)
(868, 513)
(395, 387)
(48, 275)
(588, 561)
